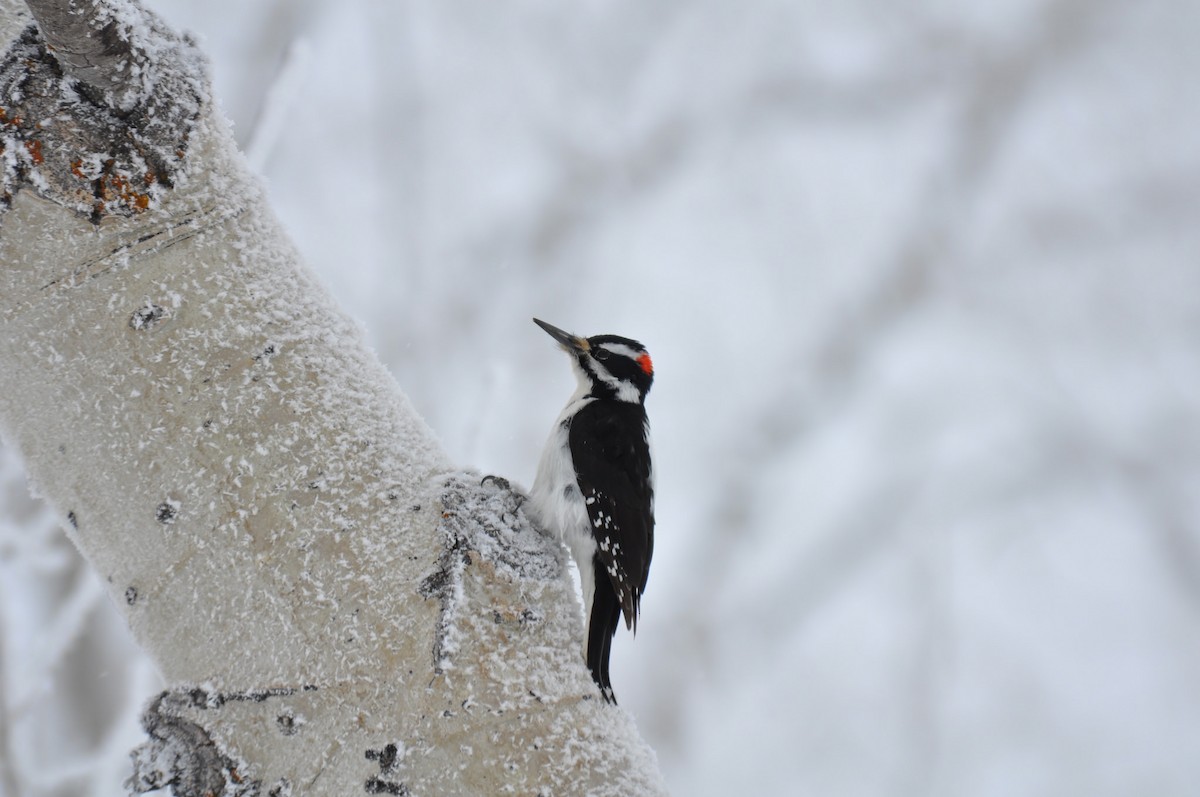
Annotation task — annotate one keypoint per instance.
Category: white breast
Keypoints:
(557, 505)
(557, 502)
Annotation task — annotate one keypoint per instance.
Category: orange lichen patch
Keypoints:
(646, 363)
(116, 188)
(35, 151)
(77, 169)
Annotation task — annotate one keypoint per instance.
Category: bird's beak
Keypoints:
(569, 342)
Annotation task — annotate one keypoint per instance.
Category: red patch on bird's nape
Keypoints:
(646, 364)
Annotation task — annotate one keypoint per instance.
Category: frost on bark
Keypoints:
(338, 611)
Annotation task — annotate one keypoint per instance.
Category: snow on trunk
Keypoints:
(337, 611)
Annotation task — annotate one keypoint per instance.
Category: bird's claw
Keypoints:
(499, 481)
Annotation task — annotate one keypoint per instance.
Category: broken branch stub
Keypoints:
(97, 115)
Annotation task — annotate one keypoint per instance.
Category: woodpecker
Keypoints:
(595, 485)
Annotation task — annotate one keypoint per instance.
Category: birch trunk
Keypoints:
(338, 611)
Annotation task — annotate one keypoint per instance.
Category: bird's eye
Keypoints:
(601, 353)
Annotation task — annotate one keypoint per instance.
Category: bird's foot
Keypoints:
(499, 481)
(504, 485)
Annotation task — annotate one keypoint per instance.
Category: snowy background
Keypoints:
(922, 286)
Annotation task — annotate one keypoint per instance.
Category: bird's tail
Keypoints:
(602, 627)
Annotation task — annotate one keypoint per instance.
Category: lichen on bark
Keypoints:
(78, 146)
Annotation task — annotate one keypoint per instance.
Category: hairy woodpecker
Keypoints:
(595, 485)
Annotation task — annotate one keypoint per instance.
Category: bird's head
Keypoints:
(609, 366)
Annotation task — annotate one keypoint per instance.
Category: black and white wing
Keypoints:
(611, 451)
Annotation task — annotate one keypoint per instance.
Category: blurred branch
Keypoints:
(8, 761)
(1148, 476)
(277, 103)
(1175, 527)
(69, 620)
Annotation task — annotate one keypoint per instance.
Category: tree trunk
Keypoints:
(337, 610)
